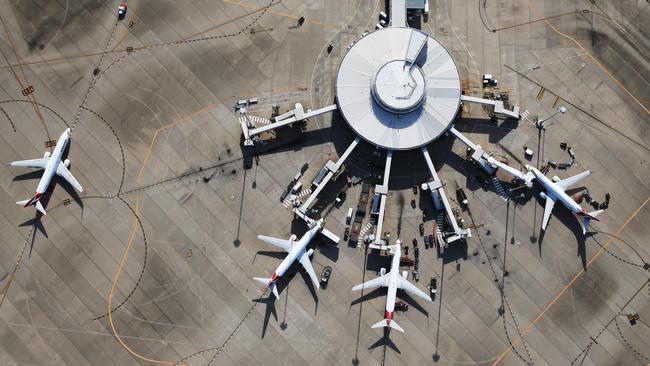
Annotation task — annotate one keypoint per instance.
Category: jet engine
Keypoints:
(47, 154)
(405, 274)
(310, 252)
(542, 195)
(382, 271)
(66, 162)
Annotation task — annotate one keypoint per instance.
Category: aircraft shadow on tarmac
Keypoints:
(283, 288)
(36, 221)
(566, 219)
(381, 292)
(385, 341)
(270, 310)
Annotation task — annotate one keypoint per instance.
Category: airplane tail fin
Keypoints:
(34, 201)
(587, 217)
(384, 323)
(267, 282)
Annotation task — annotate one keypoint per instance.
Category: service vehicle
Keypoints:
(401, 306)
(121, 11)
(405, 261)
(462, 197)
(339, 199)
(433, 286)
(325, 276)
(296, 188)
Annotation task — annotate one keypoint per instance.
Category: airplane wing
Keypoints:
(405, 285)
(567, 182)
(64, 173)
(550, 202)
(32, 163)
(280, 243)
(306, 264)
(377, 282)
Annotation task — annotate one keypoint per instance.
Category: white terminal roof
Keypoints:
(398, 88)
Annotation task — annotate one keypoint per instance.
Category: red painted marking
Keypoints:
(274, 278)
(34, 199)
(388, 316)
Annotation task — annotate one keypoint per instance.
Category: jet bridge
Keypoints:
(383, 191)
(436, 186)
(499, 109)
(398, 13)
(332, 169)
(487, 162)
(296, 115)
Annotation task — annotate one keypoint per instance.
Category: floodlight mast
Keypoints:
(540, 123)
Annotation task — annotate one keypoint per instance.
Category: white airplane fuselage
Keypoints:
(53, 163)
(556, 193)
(297, 250)
(391, 297)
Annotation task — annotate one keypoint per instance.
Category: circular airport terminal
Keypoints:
(398, 88)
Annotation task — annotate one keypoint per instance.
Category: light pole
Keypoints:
(540, 123)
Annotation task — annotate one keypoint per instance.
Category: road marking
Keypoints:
(530, 6)
(30, 96)
(575, 278)
(128, 29)
(92, 54)
(286, 15)
(289, 201)
(134, 227)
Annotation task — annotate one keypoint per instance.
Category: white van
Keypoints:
(296, 188)
(348, 218)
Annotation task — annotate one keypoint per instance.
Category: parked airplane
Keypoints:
(52, 164)
(296, 251)
(393, 281)
(555, 192)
